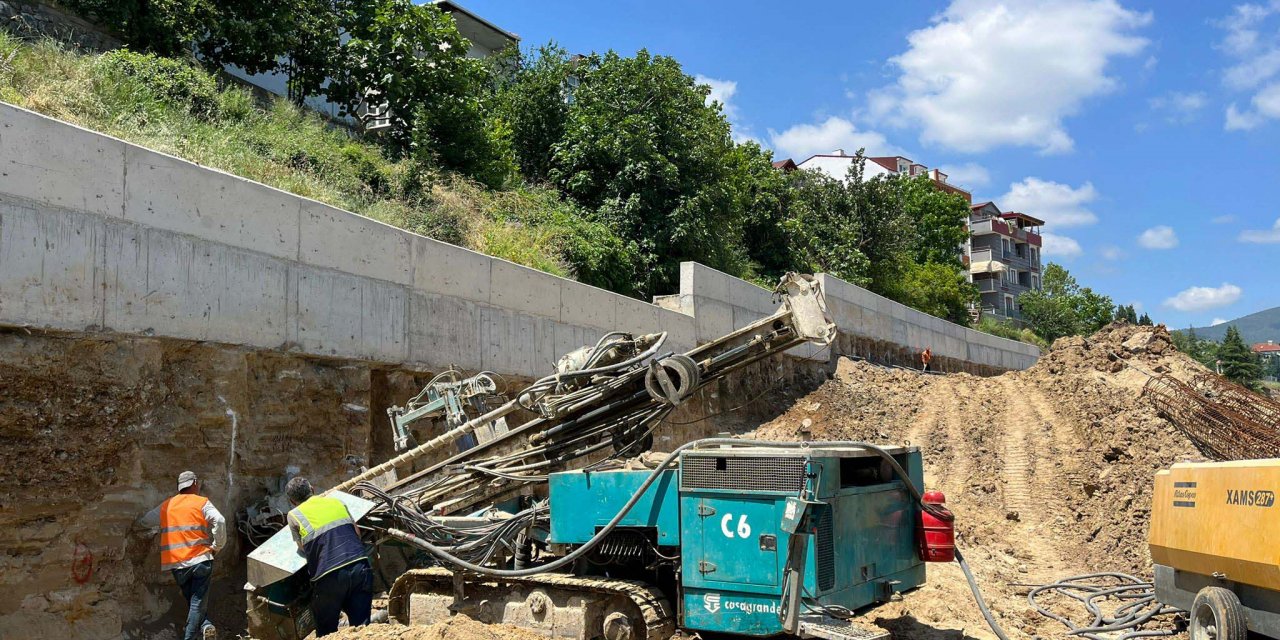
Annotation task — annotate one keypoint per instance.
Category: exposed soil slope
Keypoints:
(1049, 470)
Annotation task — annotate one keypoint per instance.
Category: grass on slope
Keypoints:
(178, 108)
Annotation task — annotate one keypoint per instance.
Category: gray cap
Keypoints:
(186, 479)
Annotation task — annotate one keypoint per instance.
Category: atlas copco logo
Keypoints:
(1251, 498)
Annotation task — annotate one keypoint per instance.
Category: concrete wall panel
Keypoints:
(439, 267)
(524, 290)
(443, 331)
(158, 282)
(333, 238)
(54, 163)
(164, 192)
(341, 315)
(50, 267)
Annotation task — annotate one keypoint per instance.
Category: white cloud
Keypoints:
(1218, 321)
(1202, 298)
(1262, 236)
(989, 74)
(722, 91)
(1056, 246)
(1057, 204)
(1227, 219)
(1158, 237)
(804, 140)
(1255, 48)
(969, 174)
(1112, 252)
(1179, 107)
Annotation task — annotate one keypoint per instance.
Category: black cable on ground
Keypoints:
(1133, 604)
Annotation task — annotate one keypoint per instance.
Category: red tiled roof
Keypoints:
(1264, 347)
(888, 162)
(785, 165)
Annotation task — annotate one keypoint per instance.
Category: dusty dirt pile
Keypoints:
(459, 627)
(1049, 470)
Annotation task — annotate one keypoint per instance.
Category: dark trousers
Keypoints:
(194, 582)
(346, 590)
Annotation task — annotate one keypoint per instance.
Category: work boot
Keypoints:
(210, 632)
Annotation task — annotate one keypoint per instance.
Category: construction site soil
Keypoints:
(1048, 470)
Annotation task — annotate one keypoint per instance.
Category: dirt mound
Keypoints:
(459, 627)
(1049, 470)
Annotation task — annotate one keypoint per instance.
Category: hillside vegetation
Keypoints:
(174, 107)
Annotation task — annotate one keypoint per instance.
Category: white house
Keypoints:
(836, 164)
(485, 37)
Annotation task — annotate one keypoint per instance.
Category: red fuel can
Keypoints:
(937, 536)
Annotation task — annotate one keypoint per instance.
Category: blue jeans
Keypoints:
(194, 582)
(346, 590)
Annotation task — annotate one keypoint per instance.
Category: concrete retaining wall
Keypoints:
(100, 235)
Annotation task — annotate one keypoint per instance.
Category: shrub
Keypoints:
(174, 82)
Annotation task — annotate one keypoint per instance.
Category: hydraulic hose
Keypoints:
(977, 597)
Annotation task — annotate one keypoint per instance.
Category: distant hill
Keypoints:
(1255, 327)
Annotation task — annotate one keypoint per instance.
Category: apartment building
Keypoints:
(1003, 256)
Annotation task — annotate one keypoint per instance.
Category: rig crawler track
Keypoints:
(598, 607)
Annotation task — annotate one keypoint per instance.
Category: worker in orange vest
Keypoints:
(191, 533)
(926, 356)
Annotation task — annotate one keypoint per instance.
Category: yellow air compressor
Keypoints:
(1215, 542)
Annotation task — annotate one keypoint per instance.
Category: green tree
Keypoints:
(1127, 313)
(644, 152)
(1145, 320)
(166, 28)
(1063, 307)
(1273, 368)
(1202, 351)
(937, 289)
(534, 101)
(939, 221)
(1239, 364)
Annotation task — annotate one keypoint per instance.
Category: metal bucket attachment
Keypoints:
(802, 295)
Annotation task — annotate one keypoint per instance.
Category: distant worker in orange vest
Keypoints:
(925, 357)
(191, 533)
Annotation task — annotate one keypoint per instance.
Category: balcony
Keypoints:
(993, 225)
(1021, 263)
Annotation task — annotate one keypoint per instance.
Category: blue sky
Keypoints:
(1145, 133)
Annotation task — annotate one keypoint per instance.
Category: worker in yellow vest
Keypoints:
(341, 579)
(191, 533)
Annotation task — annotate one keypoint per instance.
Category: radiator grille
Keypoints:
(744, 473)
(825, 551)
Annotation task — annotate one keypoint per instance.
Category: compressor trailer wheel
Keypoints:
(1218, 615)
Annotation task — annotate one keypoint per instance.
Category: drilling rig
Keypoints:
(569, 525)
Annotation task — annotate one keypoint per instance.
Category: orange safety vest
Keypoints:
(184, 531)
